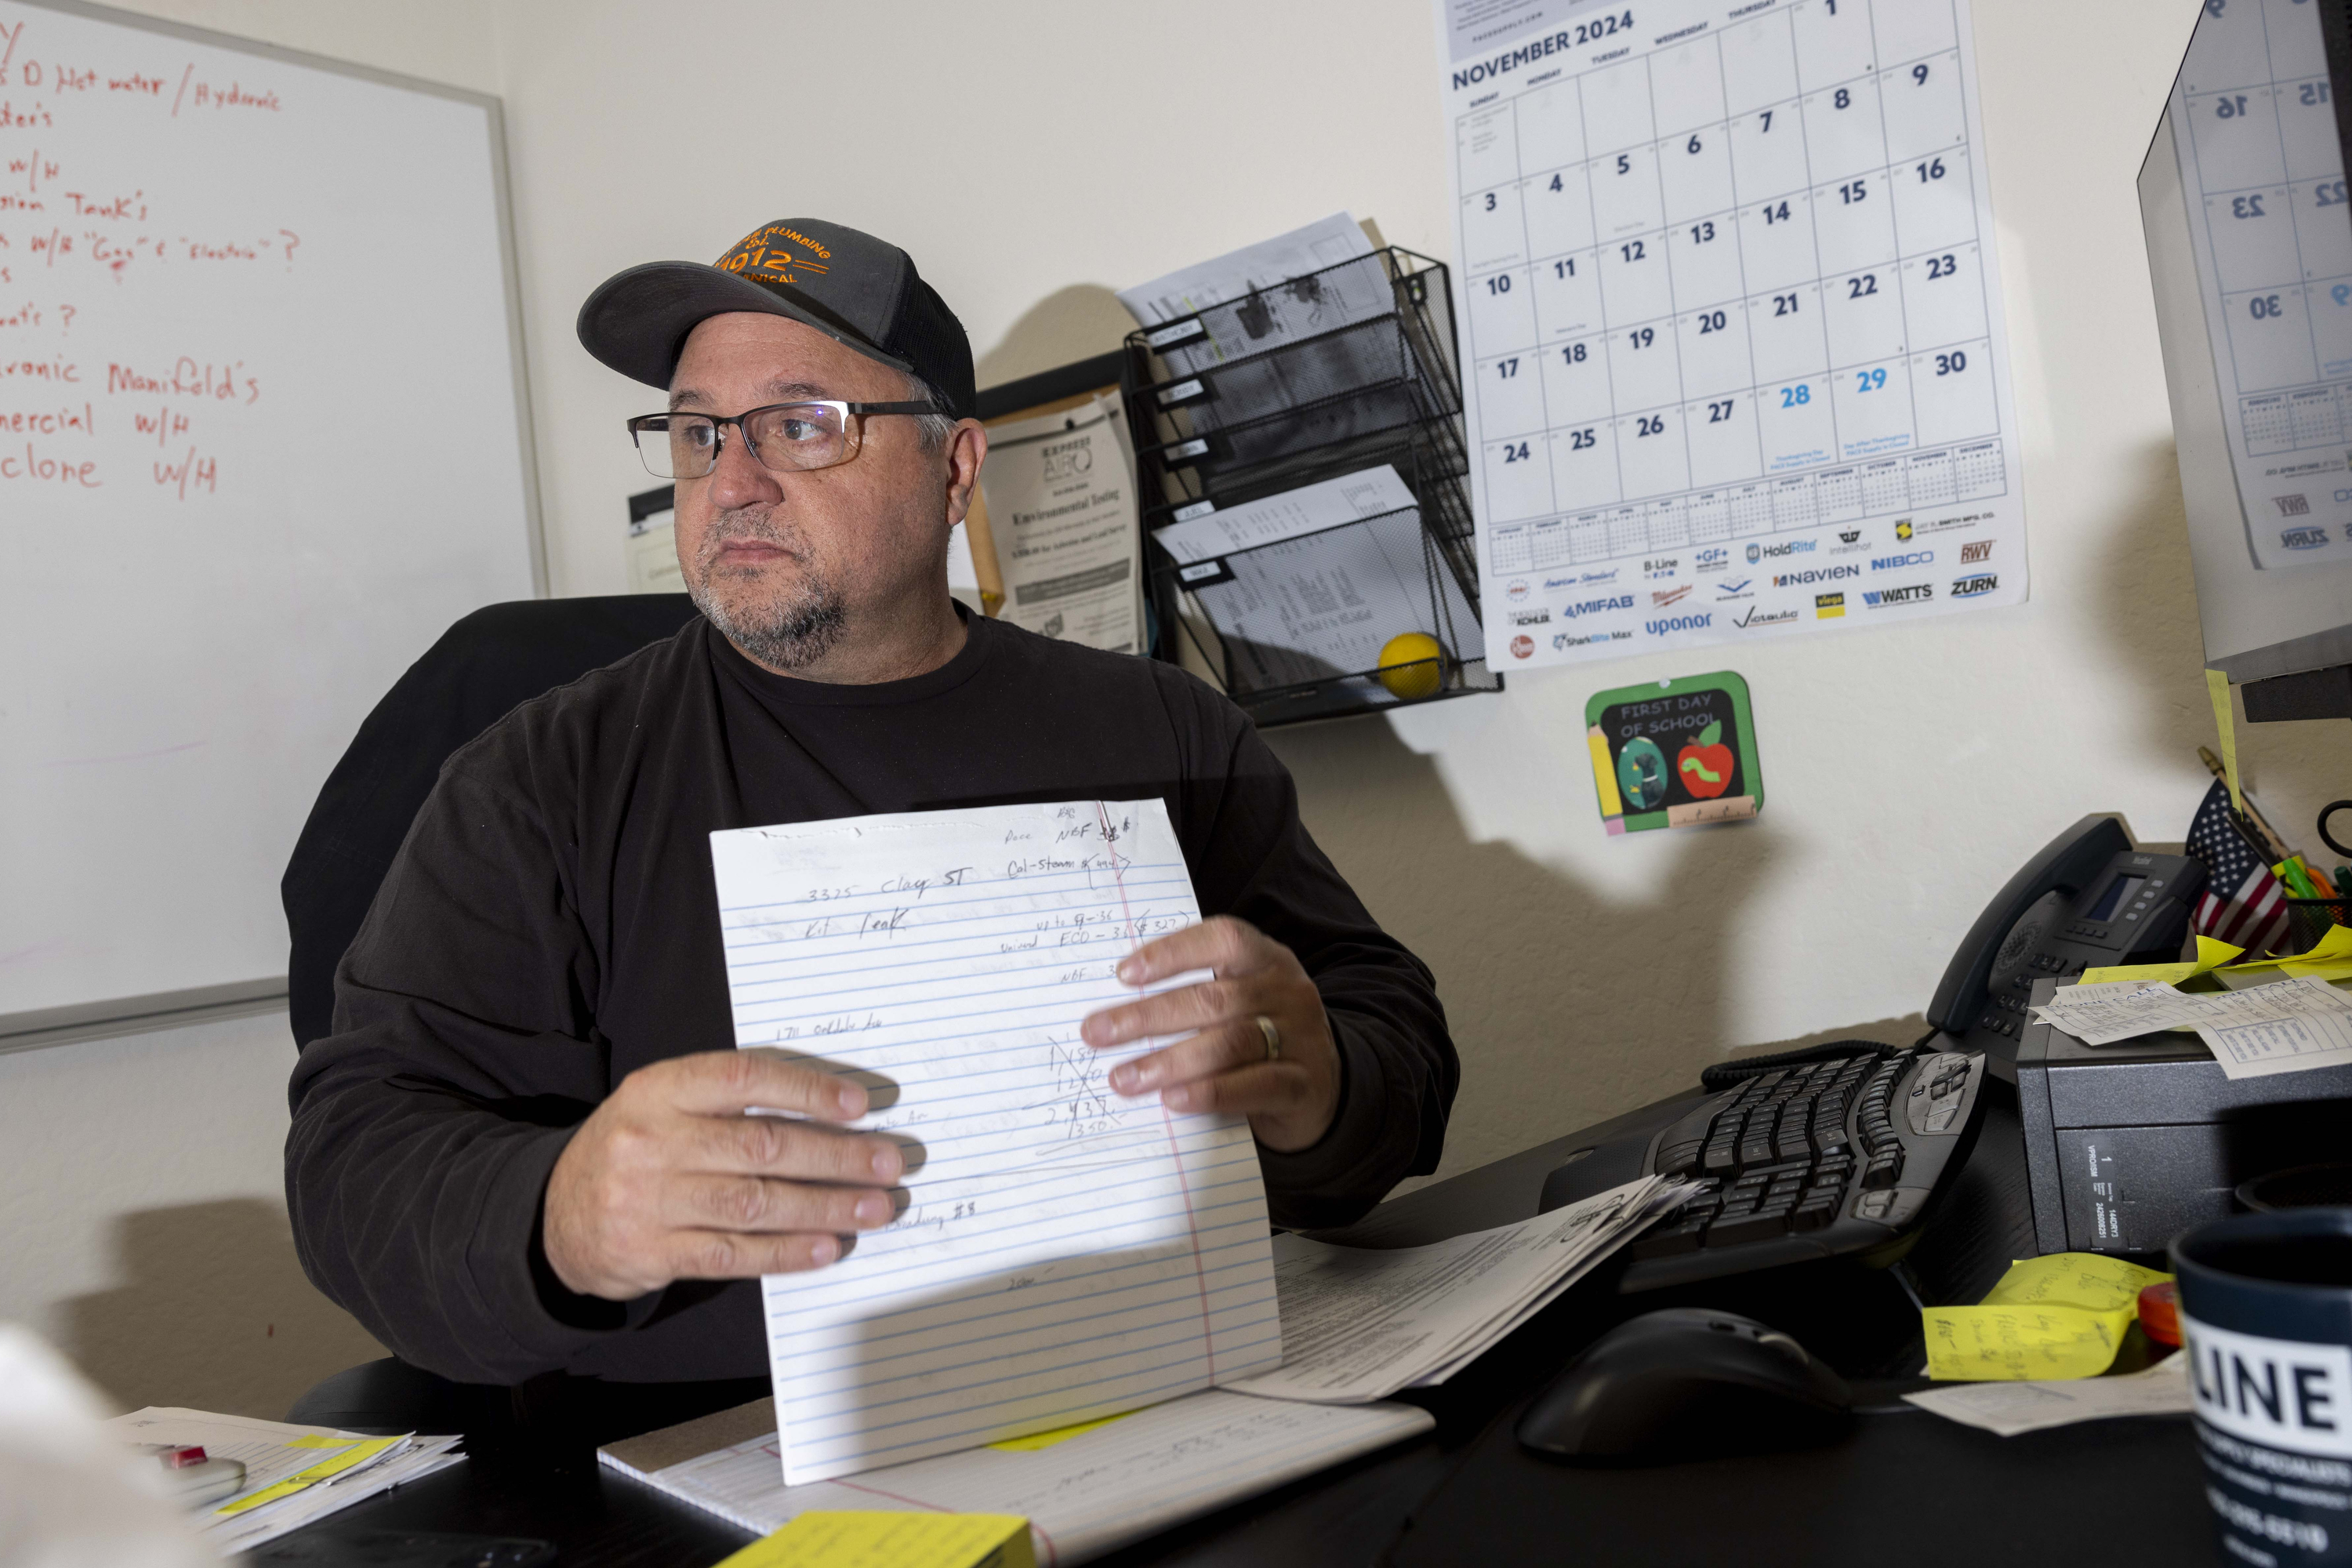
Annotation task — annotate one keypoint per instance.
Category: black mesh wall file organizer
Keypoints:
(1323, 376)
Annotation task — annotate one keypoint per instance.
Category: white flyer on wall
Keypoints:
(1734, 353)
(2254, 130)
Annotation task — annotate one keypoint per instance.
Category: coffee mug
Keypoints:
(2266, 1324)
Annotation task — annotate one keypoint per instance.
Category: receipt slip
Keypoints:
(846, 1540)
(2063, 1316)
(2007, 1409)
(2293, 1025)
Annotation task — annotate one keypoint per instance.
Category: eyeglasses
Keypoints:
(788, 437)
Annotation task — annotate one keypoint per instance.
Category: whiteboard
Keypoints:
(263, 436)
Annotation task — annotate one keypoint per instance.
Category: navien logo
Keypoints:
(1815, 574)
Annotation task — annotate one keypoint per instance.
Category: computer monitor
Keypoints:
(2249, 248)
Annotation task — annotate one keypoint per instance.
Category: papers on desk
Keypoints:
(2058, 1316)
(1083, 1497)
(2294, 1026)
(1359, 1323)
(293, 1475)
(2010, 1408)
(1064, 1254)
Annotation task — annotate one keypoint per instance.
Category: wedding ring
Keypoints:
(1272, 1038)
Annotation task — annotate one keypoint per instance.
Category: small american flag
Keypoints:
(2243, 903)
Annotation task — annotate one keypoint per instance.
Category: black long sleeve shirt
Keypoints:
(550, 925)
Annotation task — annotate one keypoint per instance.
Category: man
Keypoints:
(524, 1149)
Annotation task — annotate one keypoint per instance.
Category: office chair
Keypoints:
(481, 669)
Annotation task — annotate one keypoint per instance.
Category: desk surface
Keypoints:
(1910, 1486)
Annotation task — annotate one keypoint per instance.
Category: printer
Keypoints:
(2127, 1146)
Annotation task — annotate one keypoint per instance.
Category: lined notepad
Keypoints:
(1064, 1254)
(1084, 1498)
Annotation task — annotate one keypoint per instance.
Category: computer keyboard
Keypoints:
(1816, 1159)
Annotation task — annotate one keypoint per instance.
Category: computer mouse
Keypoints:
(1686, 1382)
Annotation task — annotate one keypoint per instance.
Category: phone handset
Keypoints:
(2039, 891)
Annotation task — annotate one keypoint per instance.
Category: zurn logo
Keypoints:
(2280, 1394)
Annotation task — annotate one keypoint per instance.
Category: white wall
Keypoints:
(1033, 155)
(142, 1211)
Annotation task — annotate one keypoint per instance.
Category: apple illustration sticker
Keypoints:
(1674, 753)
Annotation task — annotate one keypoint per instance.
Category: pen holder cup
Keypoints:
(2308, 920)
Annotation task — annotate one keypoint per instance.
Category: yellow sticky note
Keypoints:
(2057, 1317)
(346, 1456)
(2335, 948)
(848, 1540)
(1036, 1440)
(2217, 686)
(2212, 954)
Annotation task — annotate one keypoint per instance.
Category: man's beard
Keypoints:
(790, 632)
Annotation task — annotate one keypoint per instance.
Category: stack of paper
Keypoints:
(1066, 1252)
(2294, 1026)
(1085, 1491)
(293, 1475)
(1358, 1324)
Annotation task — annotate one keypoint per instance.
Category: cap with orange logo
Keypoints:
(859, 290)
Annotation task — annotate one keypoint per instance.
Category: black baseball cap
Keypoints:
(861, 291)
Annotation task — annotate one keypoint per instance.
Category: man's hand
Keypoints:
(669, 1179)
(1225, 1066)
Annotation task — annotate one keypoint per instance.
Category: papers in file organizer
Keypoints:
(1288, 282)
(292, 1474)
(1064, 1254)
(1082, 1497)
(2292, 1027)
(1309, 509)
(1360, 1323)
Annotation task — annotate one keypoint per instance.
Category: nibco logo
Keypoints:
(1970, 587)
(1896, 562)
(2303, 537)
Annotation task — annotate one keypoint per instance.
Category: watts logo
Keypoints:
(1815, 574)
(1881, 598)
(763, 255)
(1829, 606)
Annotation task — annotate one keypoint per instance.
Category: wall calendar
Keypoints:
(1732, 325)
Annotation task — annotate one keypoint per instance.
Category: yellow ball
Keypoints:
(1411, 666)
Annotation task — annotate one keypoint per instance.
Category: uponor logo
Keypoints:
(1815, 574)
(1896, 562)
(1596, 606)
(1679, 624)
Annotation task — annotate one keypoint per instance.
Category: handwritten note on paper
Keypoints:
(2062, 1316)
(1064, 1254)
